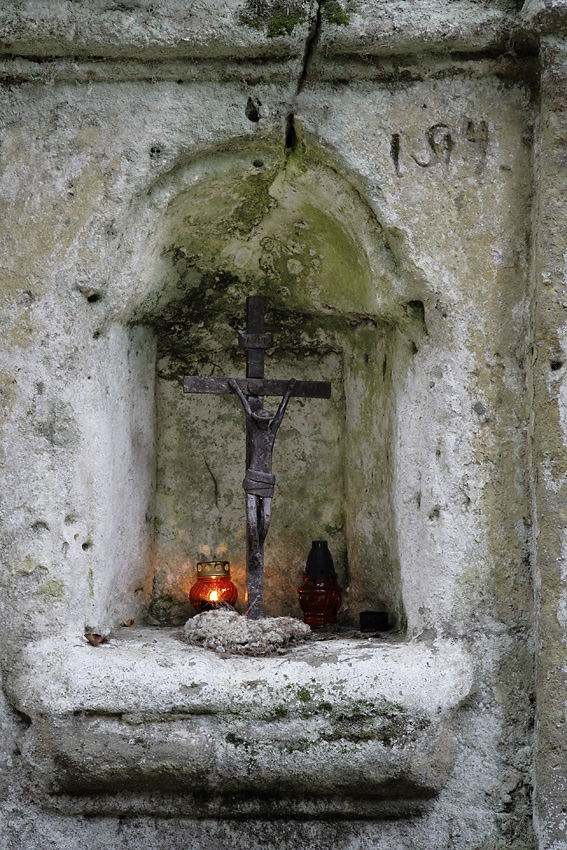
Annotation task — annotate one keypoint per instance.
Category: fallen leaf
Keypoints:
(129, 622)
(95, 640)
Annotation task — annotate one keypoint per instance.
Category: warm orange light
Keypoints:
(213, 587)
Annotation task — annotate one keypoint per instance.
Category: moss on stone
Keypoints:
(334, 13)
(303, 694)
(278, 19)
(256, 202)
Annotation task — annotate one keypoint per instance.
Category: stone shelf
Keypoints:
(361, 728)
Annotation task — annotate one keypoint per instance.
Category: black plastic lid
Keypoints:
(320, 562)
(374, 621)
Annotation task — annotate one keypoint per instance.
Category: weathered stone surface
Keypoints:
(415, 201)
(371, 722)
(390, 223)
(371, 28)
(234, 29)
(150, 30)
(550, 437)
(545, 16)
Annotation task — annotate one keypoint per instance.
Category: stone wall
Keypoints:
(390, 176)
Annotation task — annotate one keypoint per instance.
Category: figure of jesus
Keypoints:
(259, 482)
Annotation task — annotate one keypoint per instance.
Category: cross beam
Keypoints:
(261, 430)
(256, 387)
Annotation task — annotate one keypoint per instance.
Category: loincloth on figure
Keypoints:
(259, 483)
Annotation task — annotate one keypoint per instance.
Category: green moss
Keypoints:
(334, 13)
(256, 201)
(386, 723)
(278, 19)
(90, 579)
(284, 20)
(303, 694)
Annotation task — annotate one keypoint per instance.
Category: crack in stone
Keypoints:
(310, 45)
(215, 483)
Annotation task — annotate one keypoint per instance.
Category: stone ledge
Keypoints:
(204, 28)
(342, 725)
(410, 27)
(214, 29)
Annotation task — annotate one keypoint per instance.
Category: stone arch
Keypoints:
(342, 305)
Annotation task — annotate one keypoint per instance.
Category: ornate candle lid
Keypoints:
(213, 568)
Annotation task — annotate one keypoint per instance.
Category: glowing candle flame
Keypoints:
(213, 586)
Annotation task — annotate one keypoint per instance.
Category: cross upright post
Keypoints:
(261, 430)
(255, 342)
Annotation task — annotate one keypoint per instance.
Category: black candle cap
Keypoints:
(320, 562)
(374, 621)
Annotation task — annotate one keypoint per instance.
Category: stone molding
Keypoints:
(366, 721)
(219, 29)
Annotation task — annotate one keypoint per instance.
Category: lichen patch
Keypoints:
(227, 631)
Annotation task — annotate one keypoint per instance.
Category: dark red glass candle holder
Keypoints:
(320, 594)
(213, 588)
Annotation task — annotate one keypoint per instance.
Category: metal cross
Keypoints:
(261, 429)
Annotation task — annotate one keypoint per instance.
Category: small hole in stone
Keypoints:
(384, 367)
(556, 365)
(258, 163)
(417, 308)
(155, 152)
(94, 297)
(251, 111)
(179, 82)
(86, 545)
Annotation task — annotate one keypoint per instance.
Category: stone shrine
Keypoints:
(391, 177)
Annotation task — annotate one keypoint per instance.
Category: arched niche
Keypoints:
(341, 307)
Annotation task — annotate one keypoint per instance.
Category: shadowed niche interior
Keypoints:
(301, 236)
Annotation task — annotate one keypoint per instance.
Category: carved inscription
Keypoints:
(477, 135)
(438, 146)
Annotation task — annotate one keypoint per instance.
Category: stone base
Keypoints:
(339, 727)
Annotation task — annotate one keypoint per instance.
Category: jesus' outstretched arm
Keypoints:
(236, 389)
(283, 404)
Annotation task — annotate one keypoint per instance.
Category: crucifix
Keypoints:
(261, 430)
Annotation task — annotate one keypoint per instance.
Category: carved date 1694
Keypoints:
(438, 146)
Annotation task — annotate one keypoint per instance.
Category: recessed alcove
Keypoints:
(342, 308)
